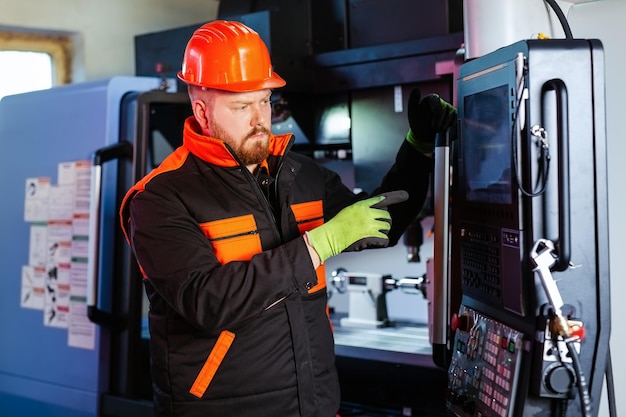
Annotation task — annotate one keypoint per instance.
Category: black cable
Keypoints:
(609, 384)
(562, 408)
(583, 389)
(562, 19)
(544, 163)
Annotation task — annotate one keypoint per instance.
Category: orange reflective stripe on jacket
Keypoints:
(233, 239)
(310, 215)
(212, 363)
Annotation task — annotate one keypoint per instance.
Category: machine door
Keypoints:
(151, 128)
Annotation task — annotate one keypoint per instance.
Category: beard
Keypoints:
(250, 152)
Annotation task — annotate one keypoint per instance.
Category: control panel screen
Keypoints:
(487, 146)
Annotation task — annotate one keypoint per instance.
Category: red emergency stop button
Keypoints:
(454, 322)
(577, 330)
(462, 322)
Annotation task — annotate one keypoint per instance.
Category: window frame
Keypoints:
(58, 46)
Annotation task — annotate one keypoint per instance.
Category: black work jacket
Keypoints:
(238, 316)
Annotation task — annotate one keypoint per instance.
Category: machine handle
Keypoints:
(94, 313)
(562, 114)
(439, 298)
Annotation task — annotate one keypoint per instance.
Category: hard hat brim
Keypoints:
(274, 81)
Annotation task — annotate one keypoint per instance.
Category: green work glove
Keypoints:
(427, 117)
(362, 225)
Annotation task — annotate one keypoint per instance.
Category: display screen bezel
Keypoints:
(499, 78)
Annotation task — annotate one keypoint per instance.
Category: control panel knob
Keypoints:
(560, 379)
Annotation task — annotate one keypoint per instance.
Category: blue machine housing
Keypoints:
(39, 373)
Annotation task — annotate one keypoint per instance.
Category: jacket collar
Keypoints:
(216, 152)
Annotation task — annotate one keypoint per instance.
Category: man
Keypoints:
(231, 232)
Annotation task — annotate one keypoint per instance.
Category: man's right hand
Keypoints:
(362, 225)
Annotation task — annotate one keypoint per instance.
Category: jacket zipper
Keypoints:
(257, 188)
(252, 232)
(279, 169)
(309, 220)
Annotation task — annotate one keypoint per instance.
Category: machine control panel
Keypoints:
(483, 373)
(526, 167)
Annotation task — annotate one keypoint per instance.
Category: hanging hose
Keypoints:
(583, 389)
(561, 17)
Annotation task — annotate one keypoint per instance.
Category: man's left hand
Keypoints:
(427, 117)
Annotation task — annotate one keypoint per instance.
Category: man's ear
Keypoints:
(199, 112)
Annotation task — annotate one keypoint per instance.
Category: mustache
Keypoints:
(257, 130)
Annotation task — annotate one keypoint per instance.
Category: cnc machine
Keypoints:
(528, 242)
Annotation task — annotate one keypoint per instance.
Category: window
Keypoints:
(33, 61)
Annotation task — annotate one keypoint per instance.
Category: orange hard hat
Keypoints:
(228, 55)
